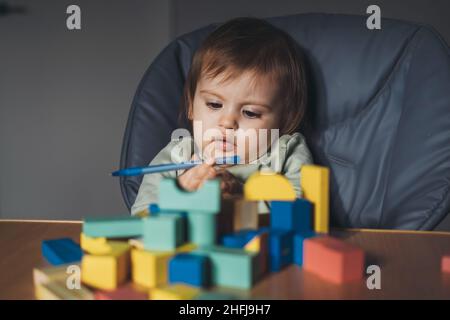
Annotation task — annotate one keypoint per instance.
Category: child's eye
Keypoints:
(251, 115)
(214, 105)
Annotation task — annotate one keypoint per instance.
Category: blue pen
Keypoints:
(137, 171)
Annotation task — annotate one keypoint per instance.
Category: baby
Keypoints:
(245, 95)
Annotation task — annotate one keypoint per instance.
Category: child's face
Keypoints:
(222, 108)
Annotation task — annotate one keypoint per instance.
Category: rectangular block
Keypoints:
(107, 272)
(98, 246)
(291, 215)
(44, 275)
(125, 292)
(189, 269)
(280, 249)
(174, 292)
(58, 290)
(314, 181)
(299, 239)
(150, 268)
(61, 251)
(445, 263)
(333, 260)
(163, 232)
(201, 228)
(241, 214)
(115, 227)
(231, 267)
(206, 199)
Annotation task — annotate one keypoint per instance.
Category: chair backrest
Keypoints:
(379, 116)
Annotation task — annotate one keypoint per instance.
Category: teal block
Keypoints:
(206, 199)
(113, 227)
(201, 228)
(163, 232)
(230, 267)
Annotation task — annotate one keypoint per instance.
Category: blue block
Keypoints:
(239, 239)
(280, 249)
(190, 269)
(299, 238)
(153, 208)
(291, 215)
(61, 251)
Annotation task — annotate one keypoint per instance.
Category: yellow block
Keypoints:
(174, 292)
(149, 268)
(107, 271)
(267, 186)
(253, 245)
(97, 245)
(314, 181)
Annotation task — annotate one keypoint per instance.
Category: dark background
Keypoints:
(65, 95)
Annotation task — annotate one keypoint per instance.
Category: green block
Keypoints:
(206, 199)
(116, 227)
(201, 228)
(234, 268)
(163, 232)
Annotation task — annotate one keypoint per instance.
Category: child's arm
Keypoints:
(149, 188)
(297, 155)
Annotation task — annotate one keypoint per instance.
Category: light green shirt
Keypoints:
(293, 154)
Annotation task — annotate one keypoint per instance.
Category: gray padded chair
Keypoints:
(379, 116)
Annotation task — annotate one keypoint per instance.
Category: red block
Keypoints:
(445, 265)
(333, 259)
(126, 292)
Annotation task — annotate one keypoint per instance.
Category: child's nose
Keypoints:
(228, 121)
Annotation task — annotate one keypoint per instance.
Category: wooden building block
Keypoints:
(314, 181)
(115, 227)
(57, 290)
(61, 251)
(163, 232)
(189, 269)
(201, 228)
(280, 248)
(107, 272)
(299, 239)
(97, 245)
(47, 274)
(333, 259)
(238, 213)
(234, 268)
(125, 292)
(445, 263)
(293, 216)
(268, 186)
(51, 284)
(174, 292)
(206, 199)
(150, 268)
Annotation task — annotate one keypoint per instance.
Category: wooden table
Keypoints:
(409, 262)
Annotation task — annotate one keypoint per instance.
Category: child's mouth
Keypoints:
(224, 145)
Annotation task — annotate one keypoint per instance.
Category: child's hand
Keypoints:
(229, 185)
(194, 178)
